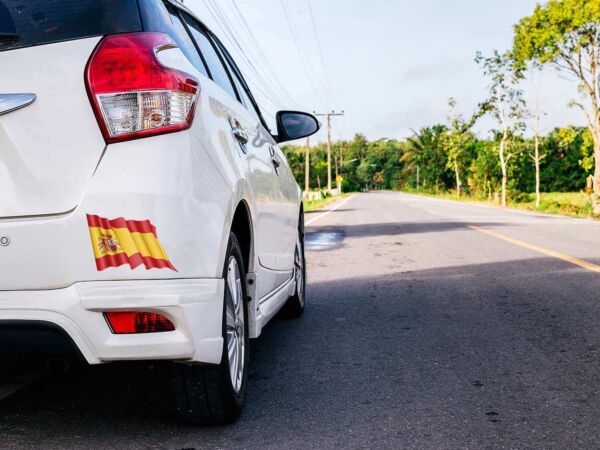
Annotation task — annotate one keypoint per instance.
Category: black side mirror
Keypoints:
(293, 125)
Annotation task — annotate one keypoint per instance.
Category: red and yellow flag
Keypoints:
(117, 242)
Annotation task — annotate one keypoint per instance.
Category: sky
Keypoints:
(390, 65)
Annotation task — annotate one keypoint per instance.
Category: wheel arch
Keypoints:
(301, 221)
(241, 226)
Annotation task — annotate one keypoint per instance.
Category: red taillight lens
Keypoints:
(132, 93)
(132, 322)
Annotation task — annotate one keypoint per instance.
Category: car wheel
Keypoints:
(215, 394)
(295, 304)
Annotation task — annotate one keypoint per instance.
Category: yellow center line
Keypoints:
(545, 251)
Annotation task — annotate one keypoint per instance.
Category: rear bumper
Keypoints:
(195, 307)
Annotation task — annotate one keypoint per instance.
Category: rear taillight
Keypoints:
(134, 322)
(132, 93)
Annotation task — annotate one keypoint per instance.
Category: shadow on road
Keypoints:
(403, 228)
(460, 356)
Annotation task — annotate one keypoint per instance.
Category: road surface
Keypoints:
(430, 324)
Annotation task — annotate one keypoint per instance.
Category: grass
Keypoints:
(315, 205)
(574, 204)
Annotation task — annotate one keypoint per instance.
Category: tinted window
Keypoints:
(244, 98)
(36, 22)
(241, 85)
(184, 41)
(213, 61)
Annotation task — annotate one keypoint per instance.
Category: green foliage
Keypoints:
(446, 157)
(392, 164)
(575, 204)
(426, 157)
(567, 165)
(557, 31)
(484, 170)
(505, 102)
(566, 34)
(362, 164)
(457, 143)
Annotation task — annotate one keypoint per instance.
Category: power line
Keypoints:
(298, 48)
(224, 24)
(232, 31)
(320, 48)
(261, 53)
(262, 85)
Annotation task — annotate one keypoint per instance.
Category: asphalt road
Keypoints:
(422, 331)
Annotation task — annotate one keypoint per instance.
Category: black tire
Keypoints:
(295, 305)
(205, 394)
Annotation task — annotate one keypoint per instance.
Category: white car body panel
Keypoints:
(56, 133)
(188, 184)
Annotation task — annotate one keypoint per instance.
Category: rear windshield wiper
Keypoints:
(9, 37)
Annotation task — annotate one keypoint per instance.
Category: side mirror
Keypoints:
(293, 125)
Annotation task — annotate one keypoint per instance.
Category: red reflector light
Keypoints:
(132, 93)
(132, 322)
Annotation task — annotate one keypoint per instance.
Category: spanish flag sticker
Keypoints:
(117, 242)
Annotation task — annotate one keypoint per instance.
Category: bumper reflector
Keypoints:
(133, 322)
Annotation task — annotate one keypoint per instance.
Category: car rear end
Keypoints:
(102, 185)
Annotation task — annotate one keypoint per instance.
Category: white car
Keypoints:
(146, 211)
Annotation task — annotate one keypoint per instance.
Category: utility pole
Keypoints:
(337, 172)
(328, 116)
(307, 169)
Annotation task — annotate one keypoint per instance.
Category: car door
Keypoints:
(254, 146)
(288, 208)
(286, 194)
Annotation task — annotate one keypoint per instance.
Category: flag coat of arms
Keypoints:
(118, 241)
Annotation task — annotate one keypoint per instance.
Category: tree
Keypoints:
(506, 105)
(569, 159)
(457, 142)
(424, 153)
(484, 170)
(536, 156)
(566, 35)
(391, 164)
(366, 172)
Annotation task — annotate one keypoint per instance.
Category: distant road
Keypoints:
(430, 324)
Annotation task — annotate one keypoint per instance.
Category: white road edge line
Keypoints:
(320, 216)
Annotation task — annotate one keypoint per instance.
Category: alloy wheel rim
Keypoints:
(299, 271)
(235, 325)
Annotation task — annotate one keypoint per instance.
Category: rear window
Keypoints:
(24, 23)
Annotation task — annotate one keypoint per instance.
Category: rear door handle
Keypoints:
(240, 135)
(275, 159)
(238, 132)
